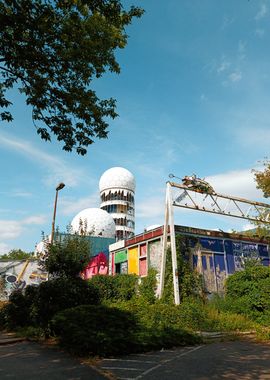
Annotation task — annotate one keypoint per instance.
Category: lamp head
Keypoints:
(60, 186)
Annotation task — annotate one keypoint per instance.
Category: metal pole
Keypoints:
(60, 186)
(54, 214)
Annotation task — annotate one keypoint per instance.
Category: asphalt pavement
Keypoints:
(231, 360)
(33, 361)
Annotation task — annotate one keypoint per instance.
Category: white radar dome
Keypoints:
(152, 227)
(94, 221)
(117, 177)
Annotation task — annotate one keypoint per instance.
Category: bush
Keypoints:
(37, 305)
(107, 331)
(248, 293)
(16, 313)
(161, 325)
(148, 285)
(122, 287)
(96, 330)
(59, 294)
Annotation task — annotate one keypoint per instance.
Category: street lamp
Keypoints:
(60, 186)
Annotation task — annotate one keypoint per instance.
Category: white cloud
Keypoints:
(262, 12)
(21, 194)
(247, 227)
(16, 193)
(11, 229)
(236, 76)
(227, 21)
(58, 170)
(223, 66)
(242, 50)
(252, 137)
(238, 183)
(259, 32)
(4, 248)
(203, 98)
(71, 206)
(153, 207)
(34, 219)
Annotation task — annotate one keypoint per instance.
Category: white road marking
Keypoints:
(122, 368)
(128, 360)
(166, 361)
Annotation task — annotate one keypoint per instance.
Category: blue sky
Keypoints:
(193, 97)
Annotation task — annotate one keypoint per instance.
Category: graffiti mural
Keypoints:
(18, 274)
(97, 265)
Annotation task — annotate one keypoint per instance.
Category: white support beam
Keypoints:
(169, 221)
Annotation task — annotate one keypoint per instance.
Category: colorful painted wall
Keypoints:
(214, 257)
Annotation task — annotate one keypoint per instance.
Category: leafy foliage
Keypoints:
(96, 330)
(68, 255)
(190, 282)
(37, 305)
(248, 293)
(120, 287)
(53, 50)
(123, 328)
(17, 254)
(148, 285)
(262, 177)
(16, 313)
(59, 294)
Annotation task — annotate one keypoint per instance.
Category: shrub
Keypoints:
(121, 287)
(119, 330)
(248, 292)
(16, 313)
(59, 294)
(147, 287)
(37, 305)
(96, 330)
(162, 325)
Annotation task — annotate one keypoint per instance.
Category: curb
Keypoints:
(9, 339)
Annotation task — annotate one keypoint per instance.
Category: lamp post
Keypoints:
(60, 186)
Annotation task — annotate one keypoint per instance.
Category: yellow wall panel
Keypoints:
(133, 261)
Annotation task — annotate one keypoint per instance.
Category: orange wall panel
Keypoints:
(133, 261)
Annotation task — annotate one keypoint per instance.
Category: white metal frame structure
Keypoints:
(208, 202)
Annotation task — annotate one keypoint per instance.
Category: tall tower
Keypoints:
(117, 190)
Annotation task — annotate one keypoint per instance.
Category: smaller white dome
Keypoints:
(152, 227)
(117, 177)
(40, 248)
(95, 222)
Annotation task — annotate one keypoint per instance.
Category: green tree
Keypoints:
(52, 51)
(248, 292)
(262, 178)
(17, 254)
(68, 255)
